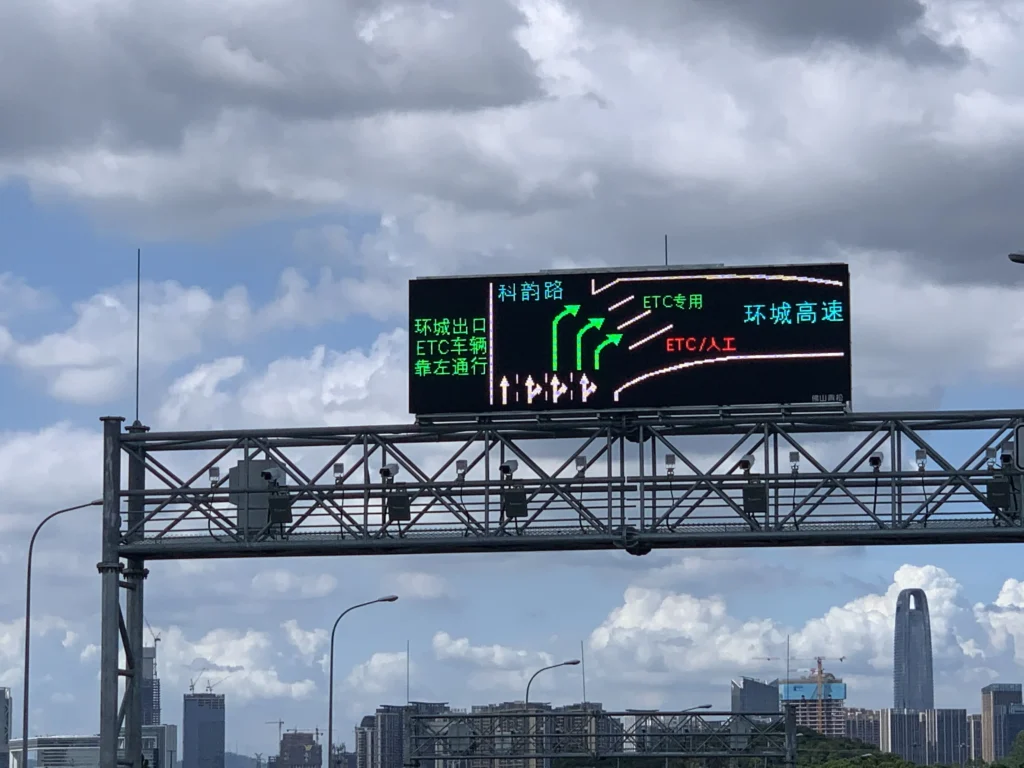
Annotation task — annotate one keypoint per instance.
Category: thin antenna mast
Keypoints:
(408, 667)
(666, 250)
(138, 325)
(583, 671)
(787, 659)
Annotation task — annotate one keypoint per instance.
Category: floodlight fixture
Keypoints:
(875, 460)
(747, 462)
(339, 473)
(921, 455)
(388, 472)
(461, 468)
(508, 468)
(990, 457)
(214, 475)
(581, 465)
(670, 464)
(794, 461)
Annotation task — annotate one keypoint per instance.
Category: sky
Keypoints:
(287, 167)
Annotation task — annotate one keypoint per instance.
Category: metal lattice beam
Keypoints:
(637, 483)
(536, 734)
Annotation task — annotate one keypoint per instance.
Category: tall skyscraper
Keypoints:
(202, 726)
(5, 727)
(996, 700)
(151, 714)
(912, 683)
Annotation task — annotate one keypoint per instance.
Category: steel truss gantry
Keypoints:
(542, 735)
(637, 482)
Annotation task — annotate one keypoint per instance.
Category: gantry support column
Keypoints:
(791, 740)
(110, 603)
(135, 575)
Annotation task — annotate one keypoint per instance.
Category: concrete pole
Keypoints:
(110, 608)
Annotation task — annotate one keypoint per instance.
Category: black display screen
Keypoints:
(621, 340)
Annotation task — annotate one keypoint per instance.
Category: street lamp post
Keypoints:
(330, 683)
(530, 721)
(28, 619)
(570, 663)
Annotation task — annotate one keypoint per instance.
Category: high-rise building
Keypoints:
(151, 714)
(5, 727)
(945, 736)
(995, 699)
(1009, 723)
(901, 732)
(750, 695)
(974, 738)
(819, 705)
(390, 732)
(863, 725)
(202, 726)
(299, 750)
(912, 684)
(365, 741)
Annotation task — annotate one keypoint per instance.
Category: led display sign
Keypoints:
(622, 340)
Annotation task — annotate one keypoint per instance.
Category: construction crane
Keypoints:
(280, 728)
(196, 679)
(819, 678)
(154, 635)
(210, 686)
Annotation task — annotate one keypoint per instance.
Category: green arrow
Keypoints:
(612, 338)
(593, 322)
(570, 309)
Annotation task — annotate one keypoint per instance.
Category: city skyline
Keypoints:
(287, 168)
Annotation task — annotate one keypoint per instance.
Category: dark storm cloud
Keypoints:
(954, 214)
(140, 77)
(893, 27)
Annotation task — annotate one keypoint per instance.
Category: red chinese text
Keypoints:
(700, 344)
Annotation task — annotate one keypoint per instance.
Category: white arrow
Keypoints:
(504, 390)
(586, 388)
(532, 390)
(557, 389)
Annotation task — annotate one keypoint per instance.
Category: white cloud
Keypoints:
(90, 652)
(281, 583)
(664, 638)
(238, 662)
(494, 669)
(379, 674)
(306, 642)
(1004, 619)
(90, 362)
(419, 585)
